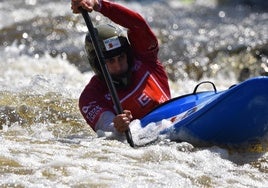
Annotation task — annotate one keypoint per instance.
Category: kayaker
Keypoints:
(140, 79)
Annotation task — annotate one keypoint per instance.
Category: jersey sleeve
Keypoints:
(92, 103)
(141, 37)
(105, 122)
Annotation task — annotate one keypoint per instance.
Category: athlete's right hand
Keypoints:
(88, 5)
(121, 121)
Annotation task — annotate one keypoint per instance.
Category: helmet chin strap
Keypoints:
(122, 81)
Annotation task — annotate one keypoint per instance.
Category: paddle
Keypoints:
(105, 71)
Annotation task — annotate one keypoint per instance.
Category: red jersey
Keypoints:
(149, 82)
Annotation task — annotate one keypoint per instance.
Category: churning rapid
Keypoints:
(45, 142)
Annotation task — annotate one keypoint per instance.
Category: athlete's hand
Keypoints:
(88, 5)
(121, 121)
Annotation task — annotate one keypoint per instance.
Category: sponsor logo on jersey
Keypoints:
(144, 99)
(91, 111)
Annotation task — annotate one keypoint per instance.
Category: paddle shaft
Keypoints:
(105, 71)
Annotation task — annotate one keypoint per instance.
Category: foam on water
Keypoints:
(20, 72)
(17, 11)
(113, 164)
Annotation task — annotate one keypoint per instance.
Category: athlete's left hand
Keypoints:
(122, 121)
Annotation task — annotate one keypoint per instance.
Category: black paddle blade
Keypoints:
(129, 138)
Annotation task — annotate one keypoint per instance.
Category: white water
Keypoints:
(53, 147)
(56, 154)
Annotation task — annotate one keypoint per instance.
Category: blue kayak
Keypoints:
(233, 116)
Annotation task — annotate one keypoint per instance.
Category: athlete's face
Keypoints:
(117, 65)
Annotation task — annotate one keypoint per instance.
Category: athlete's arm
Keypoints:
(141, 37)
(105, 122)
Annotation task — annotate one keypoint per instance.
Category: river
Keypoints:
(45, 142)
